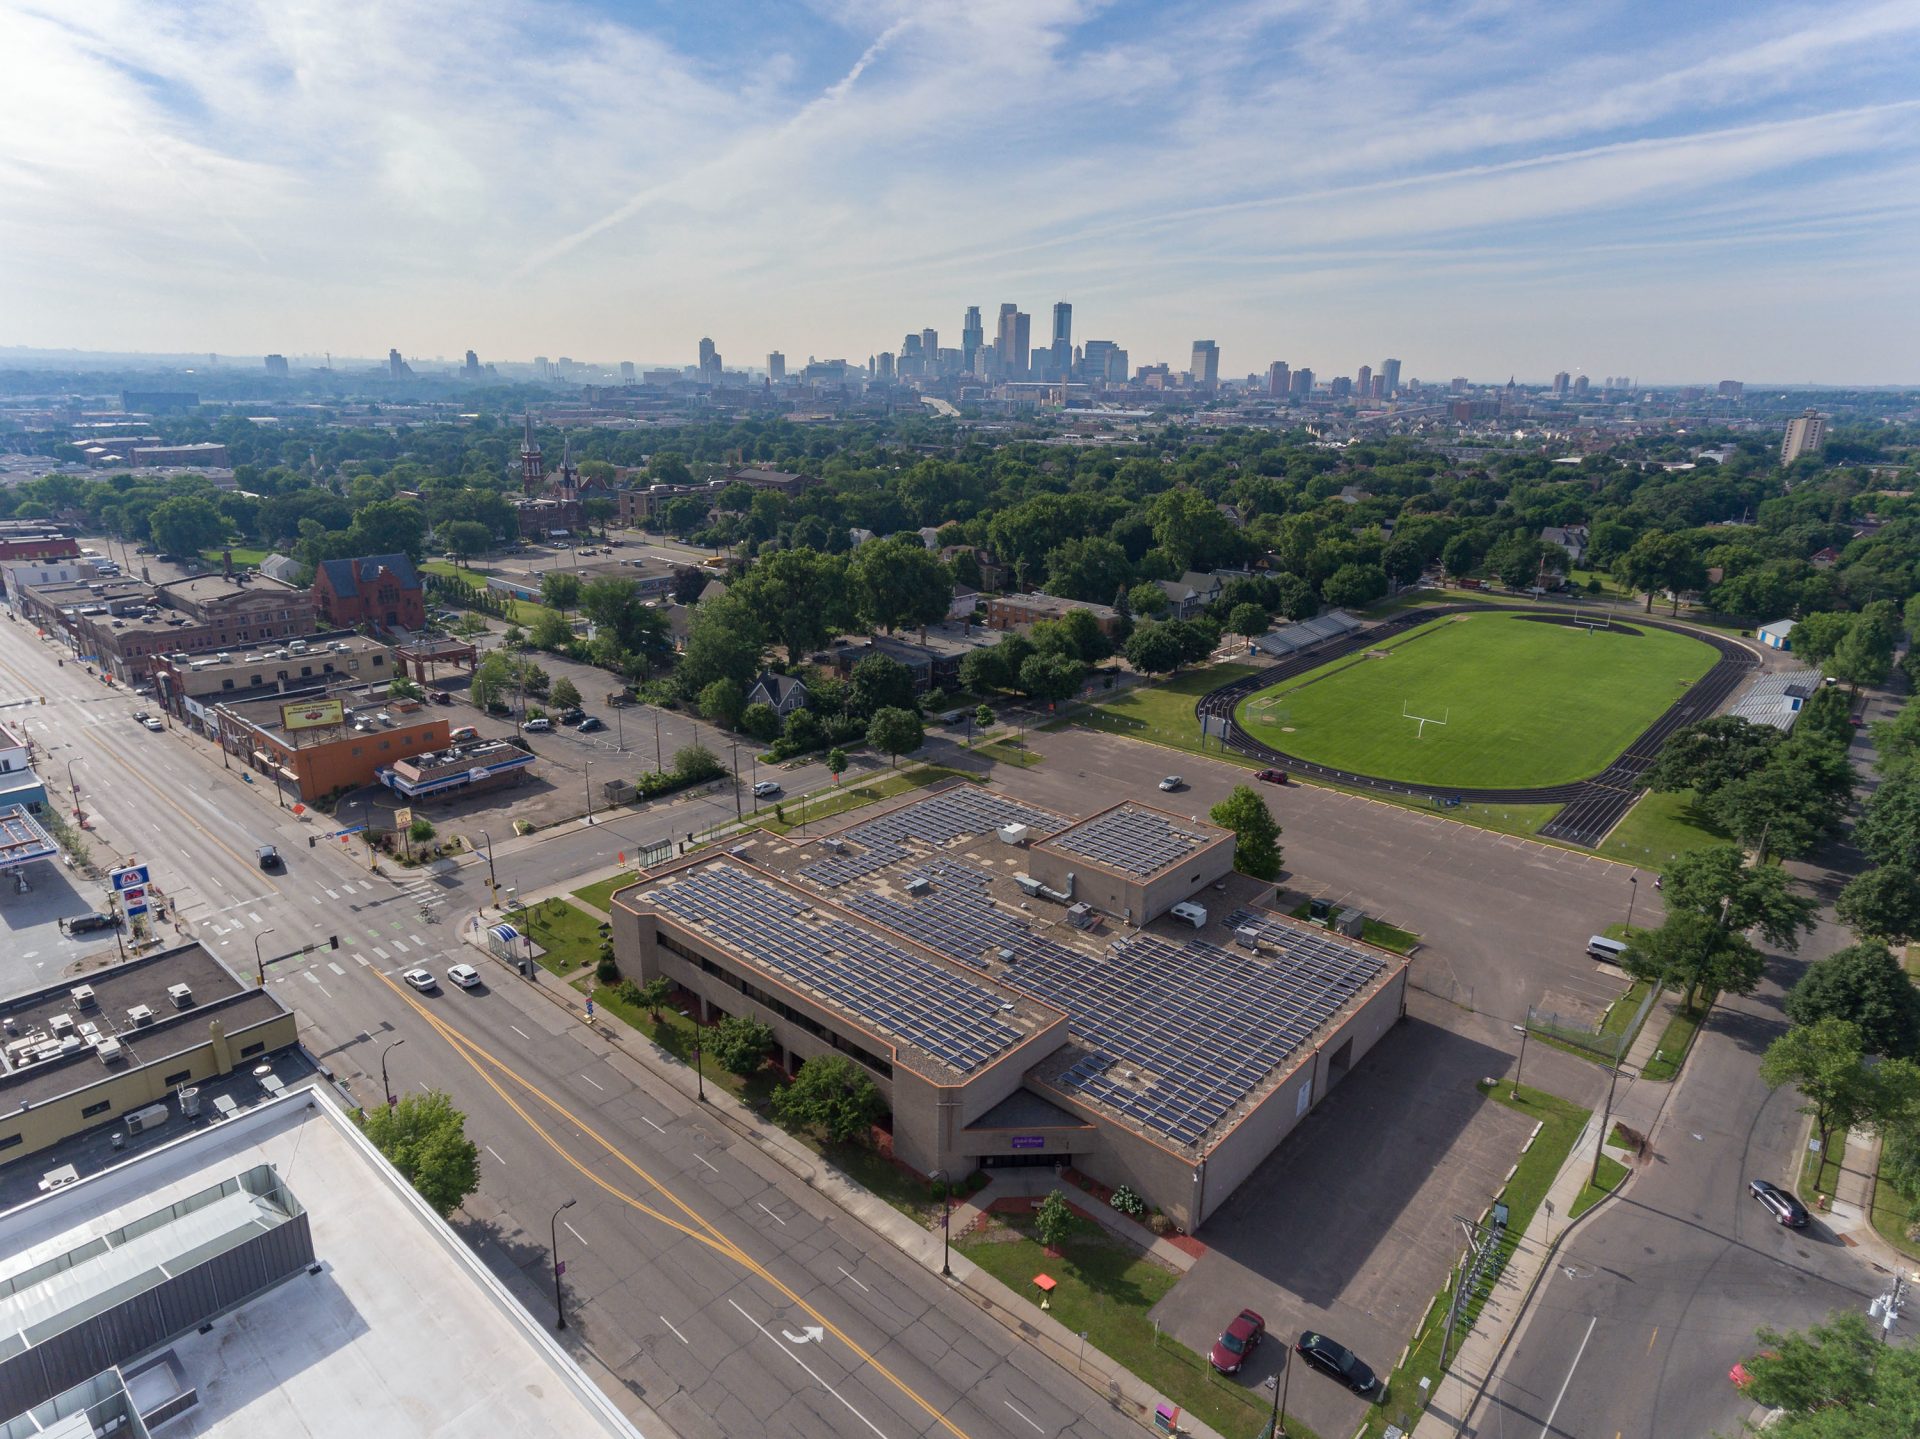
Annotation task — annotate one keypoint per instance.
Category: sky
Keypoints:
(1673, 192)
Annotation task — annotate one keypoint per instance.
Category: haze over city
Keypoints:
(1676, 194)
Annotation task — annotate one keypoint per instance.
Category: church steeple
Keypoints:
(533, 469)
(569, 475)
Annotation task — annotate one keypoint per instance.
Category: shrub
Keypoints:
(1128, 1203)
(1053, 1221)
(607, 970)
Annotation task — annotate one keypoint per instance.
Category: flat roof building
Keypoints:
(316, 745)
(268, 1274)
(998, 970)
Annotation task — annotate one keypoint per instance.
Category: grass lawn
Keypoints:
(600, 894)
(1891, 1209)
(1374, 931)
(570, 937)
(1612, 1171)
(1523, 820)
(1010, 751)
(1525, 703)
(1163, 712)
(240, 556)
(884, 785)
(1660, 828)
(1106, 1287)
(1675, 1041)
(1620, 1013)
(1561, 1122)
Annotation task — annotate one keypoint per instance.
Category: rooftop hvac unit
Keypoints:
(180, 994)
(1247, 935)
(1350, 922)
(111, 1051)
(140, 1016)
(919, 884)
(1080, 916)
(82, 996)
(1006, 956)
(60, 1024)
(190, 1102)
(837, 846)
(141, 1120)
(1014, 833)
(1028, 884)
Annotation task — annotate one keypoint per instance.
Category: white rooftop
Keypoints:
(403, 1332)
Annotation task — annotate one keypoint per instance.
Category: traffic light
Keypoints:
(312, 840)
(333, 941)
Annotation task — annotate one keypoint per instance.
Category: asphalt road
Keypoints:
(1658, 1295)
(690, 1257)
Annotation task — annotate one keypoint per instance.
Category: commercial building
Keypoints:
(382, 592)
(458, 770)
(97, 1047)
(31, 540)
(207, 456)
(1007, 612)
(270, 1273)
(1014, 984)
(19, 783)
(314, 747)
(1205, 367)
(1805, 436)
(189, 686)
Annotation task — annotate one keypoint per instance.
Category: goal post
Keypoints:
(1422, 721)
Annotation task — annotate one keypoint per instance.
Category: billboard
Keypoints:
(130, 883)
(312, 714)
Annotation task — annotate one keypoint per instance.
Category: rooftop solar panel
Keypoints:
(1136, 841)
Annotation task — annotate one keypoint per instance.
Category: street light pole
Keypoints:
(1521, 1067)
(1278, 1383)
(386, 1088)
(74, 784)
(738, 812)
(559, 1308)
(260, 963)
(493, 881)
(589, 767)
(1606, 1119)
(699, 1070)
(1632, 895)
(658, 763)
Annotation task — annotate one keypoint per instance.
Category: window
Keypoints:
(386, 744)
(92, 1109)
(8, 1141)
(252, 1049)
(306, 671)
(179, 1077)
(356, 751)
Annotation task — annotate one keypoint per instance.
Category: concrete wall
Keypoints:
(1126, 896)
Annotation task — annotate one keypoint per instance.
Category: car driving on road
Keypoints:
(766, 789)
(1781, 1205)
(464, 975)
(421, 979)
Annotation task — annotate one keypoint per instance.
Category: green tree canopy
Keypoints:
(186, 525)
(724, 641)
(1155, 647)
(1694, 952)
(560, 590)
(899, 582)
(1710, 755)
(1092, 569)
(565, 694)
(833, 1095)
(880, 682)
(723, 701)
(895, 732)
(1718, 882)
(1865, 985)
(740, 1043)
(1889, 827)
(1826, 1062)
(1256, 849)
(1050, 678)
(1248, 620)
(425, 1138)
(802, 598)
(465, 538)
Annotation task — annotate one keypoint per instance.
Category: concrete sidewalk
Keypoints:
(923, 1246)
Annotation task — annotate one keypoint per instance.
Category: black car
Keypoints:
(572, 716)
(1781, 1205)
(86, 923)
(590, 725)
(1338, 1360)
(270, 857)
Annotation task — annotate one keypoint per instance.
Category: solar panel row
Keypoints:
(956, 1021)
(937, 821)
(1131, 840)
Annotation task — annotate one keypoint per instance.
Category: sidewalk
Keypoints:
(1019, 1314)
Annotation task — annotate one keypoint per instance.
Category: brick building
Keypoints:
(312, 748)
(125, 626)
(381, 592)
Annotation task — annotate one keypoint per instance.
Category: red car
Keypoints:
(1271, 776)
(1231, 1349)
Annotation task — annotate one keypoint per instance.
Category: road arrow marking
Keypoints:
(812, 1334)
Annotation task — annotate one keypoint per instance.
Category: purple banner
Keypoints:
(1029, 1141)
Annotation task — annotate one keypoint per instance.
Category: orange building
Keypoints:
(317, 746)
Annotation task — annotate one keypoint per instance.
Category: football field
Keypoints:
(1482, 701)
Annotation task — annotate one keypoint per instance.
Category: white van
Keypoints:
(1193, 914)
(1600, 947)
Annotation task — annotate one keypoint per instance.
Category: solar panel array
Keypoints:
(1199, 1026)
(956, 1021)
(935, 822)
(955, 918)
(1134, 840)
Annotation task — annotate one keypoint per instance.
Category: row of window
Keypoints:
(879, 1066)
(306, 671)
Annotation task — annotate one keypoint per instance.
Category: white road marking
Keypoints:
(590, 1080)
(314, 980)
(709, 1163)
(333, 894)
(1010, 1404)
(654, 1125)
(1547, 1427)
(521, 1032)
(771, 1215)
(856, 1281)
(399, 944)
(254, 915)
(676, 1333)
(360, 959)
(496, 1154)
(381, 953)
(788, 1350)
(576, 1234)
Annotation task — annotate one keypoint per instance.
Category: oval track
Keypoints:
(1590, 807)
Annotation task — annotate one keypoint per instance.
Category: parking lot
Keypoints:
(34, 950)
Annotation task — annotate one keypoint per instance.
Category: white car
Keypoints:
(464, 975)
(1172, 782)
(421, 979)
(538, 726)
(153, 724)
(766, 789)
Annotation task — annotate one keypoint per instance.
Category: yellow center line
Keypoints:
(468, 1049)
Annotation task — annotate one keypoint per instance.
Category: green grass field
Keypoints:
(1524, 703)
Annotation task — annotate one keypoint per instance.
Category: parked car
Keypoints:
(441, 697)
(591, 725)
(270, 857)
(463, 733)
(464, 975)
(542, 725)
(766, 789)
(572, 715)
(153, 724)
(1271, 776)
(1172, 782)
(421, 979)
(1781, 1205)
(87, 923)
(1239, 1339)
(1336, 1359)
(140, 716)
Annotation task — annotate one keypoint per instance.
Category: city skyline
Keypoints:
(1294, 184)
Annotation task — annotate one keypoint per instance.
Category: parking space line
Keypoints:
(596, 1084)
(576, 1234)
(380, 953)
(709, 1163)
(521, 1032)
(496, 1154)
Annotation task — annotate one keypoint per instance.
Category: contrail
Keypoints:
(634, 204)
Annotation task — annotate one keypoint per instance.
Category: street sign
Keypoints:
(403, 817)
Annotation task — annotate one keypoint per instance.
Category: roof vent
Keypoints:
(140, 1016)
(82, 996)
(180, 994)
(110, 1051)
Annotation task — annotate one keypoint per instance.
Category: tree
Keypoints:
(740, 1043)
(1256, 848)
(1860, 659)
(984, 669)
(880, 683)
(1707, 756)
(1829, 1370)
(1659, 561)
(1248, 620)
(1818, 635)
(900, 582)
(895, 732)
(983, 717)
(1789, 804)
(186, 525)
(1889, 827)
(833, 1095)
(1155, 647)
(616, 608)
(465, 538)
(1694, 952)
(761, 721)
(1294, 597)
(1148, 600)
(724, 641)
(388, 527)
(421, 830)
(1089, 569)
(550, 632)
(1898, 739)
(1054, 1220)
(1719, 884)
(836, 761)
(400, 687)
(425, 1138)
(565, 694)
(1050, 678)
(1865, 985)
(559, 590)
(1189, 527)
(494, 678)
(722, 702)
(1826, 1062)
(801, 597)
(1354, 584)
(1517, 559)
